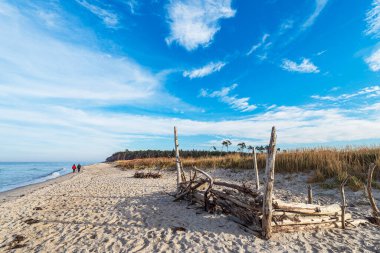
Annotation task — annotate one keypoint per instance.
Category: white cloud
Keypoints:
(373, 60)
(258, 45)
(109, 18)
(373, 19)
(205, 70)
(239, 104)
(319, 6)
(306, 66)
(375, 107)
(132, 4)
(368, 92)
(101, 134)
(194, 23)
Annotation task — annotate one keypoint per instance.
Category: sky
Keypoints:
(82, 79)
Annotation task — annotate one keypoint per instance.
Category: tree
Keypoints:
(260, 149)
(250, 147)
(241, 146)
(226, 143)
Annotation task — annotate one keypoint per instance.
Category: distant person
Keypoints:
(74, 168)
(79, 167)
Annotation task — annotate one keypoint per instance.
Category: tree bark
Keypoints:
(268, 191)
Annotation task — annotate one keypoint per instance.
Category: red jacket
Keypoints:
(74, 167)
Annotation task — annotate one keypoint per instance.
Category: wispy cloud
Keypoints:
(371, 91)
(194, 23)
(205, 70)
(319, 6)
(259, 44)
(373, 60)
(373, 19)
(239, 104)
(306, 66)
(132, 4)
(110, 19)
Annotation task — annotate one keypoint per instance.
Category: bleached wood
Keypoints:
(343, 206)
(256, 169)
(178, 163)
(307, 220)
(375, 209)
(233, 200)
(309, 194)
(298, 228)
(237, 187)
(306, 208)
(268, 190)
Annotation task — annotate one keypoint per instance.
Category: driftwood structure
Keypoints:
(258, 210)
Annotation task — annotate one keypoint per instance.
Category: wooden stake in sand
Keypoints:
(178, 163)
(256, 169)
(375, 210)
(309, 194)
(268, 190)
(343, 202)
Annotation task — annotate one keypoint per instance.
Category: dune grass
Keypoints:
(322, 162)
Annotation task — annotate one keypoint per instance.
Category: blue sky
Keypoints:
(81, 79)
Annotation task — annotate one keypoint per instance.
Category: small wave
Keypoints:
(52, 175)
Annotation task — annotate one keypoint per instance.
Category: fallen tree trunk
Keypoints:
(306, 208)
(308, 220)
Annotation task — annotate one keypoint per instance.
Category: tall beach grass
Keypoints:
(323, 163)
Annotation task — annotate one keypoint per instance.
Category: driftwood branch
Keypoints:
(210, 181)
(343, 207)
(177, 161)
(309, 194)
(256, 169)
(375, 209)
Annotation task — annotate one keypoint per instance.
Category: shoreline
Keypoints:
(21, 191)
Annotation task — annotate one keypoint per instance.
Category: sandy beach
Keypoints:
(104, 209)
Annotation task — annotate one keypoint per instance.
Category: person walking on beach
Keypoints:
(74, 168)
(79, 167)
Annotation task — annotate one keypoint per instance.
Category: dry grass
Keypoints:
(324, 163)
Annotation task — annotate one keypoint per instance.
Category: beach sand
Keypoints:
(104, 209)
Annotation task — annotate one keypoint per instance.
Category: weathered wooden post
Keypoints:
(343, 207)
(256, 169)
(178, 163)
(309, 194)
(375, 210)
(268, 190)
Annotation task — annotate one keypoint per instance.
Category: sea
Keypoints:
(17, 174)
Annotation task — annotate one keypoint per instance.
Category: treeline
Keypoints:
(139, 154)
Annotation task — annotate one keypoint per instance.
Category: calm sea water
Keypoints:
(16, 174)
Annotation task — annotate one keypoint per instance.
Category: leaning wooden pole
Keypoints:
(375, 210)
(343, 206)
(256, 169)
(268, 190)
(178, 162)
